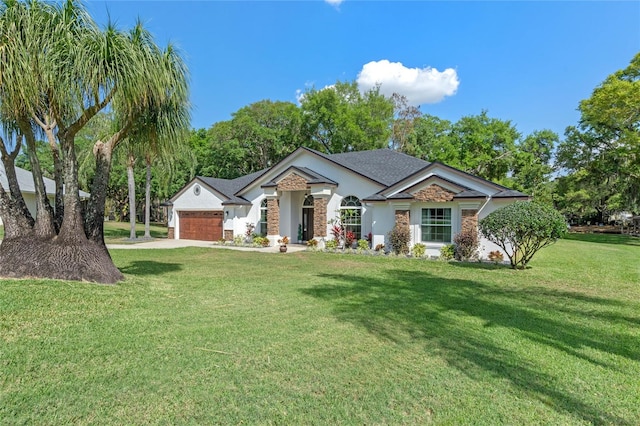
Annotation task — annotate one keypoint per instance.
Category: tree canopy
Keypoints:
(602, 153)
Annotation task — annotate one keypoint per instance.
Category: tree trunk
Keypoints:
(94, 216)
(44, 225)
(13, 209)
(71, 259)
(132, 196)
(147, 202)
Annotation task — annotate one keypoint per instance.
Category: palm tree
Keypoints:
(58, 70)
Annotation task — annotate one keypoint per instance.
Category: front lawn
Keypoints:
(215, 336)
(117, 232)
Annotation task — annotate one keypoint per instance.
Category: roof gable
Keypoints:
(451, 176)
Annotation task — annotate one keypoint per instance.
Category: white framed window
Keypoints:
(436, 225)
(263, 218)
(351, 215)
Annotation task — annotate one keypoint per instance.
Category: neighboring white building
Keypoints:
(308, 189)
(28, 189)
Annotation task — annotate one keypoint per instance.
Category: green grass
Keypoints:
(213, 336)
(116, 232)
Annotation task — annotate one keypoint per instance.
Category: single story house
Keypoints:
(300, 196)
(28, 189)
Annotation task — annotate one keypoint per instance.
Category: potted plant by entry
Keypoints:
(283, 243)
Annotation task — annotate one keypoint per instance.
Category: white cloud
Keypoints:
(334, 3)
(420, 85)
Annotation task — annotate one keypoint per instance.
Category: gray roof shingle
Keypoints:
(384, 166)
(229, 187)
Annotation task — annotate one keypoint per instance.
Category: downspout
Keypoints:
(483, 206)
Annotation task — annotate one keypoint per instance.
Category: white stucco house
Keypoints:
(306, 190)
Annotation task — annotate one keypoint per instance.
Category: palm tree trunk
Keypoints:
(132, 196)
(147, 201)
(94, 215)
(44, 226)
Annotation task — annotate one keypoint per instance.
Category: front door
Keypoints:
(307, 223)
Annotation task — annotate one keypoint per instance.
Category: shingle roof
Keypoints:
(510, 193)
(228, 187)
(470, 194)
(384, 166)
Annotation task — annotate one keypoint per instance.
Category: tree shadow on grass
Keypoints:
(150, 267)
(604, 238)
(481, 265)
(421, 304)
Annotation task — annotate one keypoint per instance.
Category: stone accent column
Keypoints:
(319, 217)
(469, 220)
(228, 234)
(171, 233)
(403, 218)
(273, 216)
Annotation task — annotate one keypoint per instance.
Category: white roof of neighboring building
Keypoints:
(25, 180)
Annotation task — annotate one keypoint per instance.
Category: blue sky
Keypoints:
(528, 62)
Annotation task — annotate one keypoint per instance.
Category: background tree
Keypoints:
(532, 167)
(432, 141)
(605, 146)
(485, 145)
(406, 116)
(258, 136)
(341, 119)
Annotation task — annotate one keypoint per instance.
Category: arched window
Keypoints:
(351, 215)
(263, 218)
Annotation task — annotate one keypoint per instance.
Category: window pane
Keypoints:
(436, 225)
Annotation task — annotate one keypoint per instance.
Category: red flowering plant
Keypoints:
(336, 231)
(349, 238)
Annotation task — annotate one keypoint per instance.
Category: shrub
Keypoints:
(249, 232)
(259, 241)
(399, 238)
(349, 238)
(238, 240)
(336, 231)
(363, 245)
(379, 247)
(419, 250)
(522, 228)
(496, 256)
(331, 244)
(447, 252)
(312, 244)
(466, 245)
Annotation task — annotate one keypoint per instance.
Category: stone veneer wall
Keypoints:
(402, 218)
(171, 233)
(228, 234)
(469, 220)
(273, 217)
(434, 193)
(319, 217)
(293, 182)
